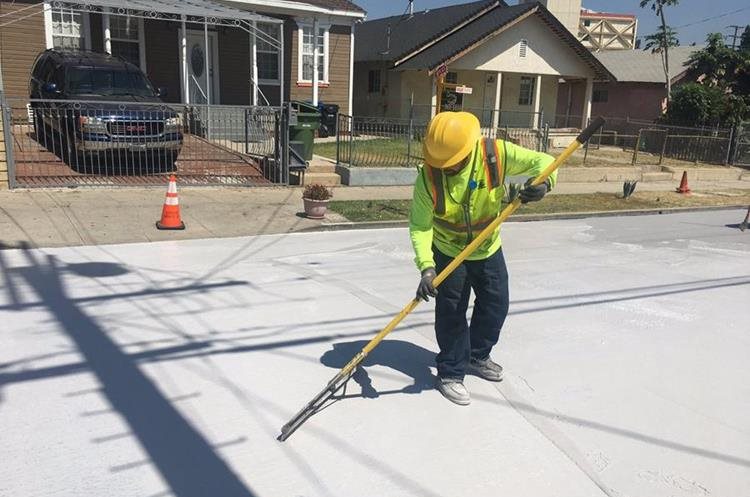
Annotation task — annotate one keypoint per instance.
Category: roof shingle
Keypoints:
(640, 66)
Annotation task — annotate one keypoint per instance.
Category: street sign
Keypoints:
(466, 90)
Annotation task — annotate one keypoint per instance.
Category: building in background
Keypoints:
(600, 31)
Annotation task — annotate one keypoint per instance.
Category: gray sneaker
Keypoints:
(485, 368)
(454, 390)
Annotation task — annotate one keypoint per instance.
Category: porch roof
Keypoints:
(195, 10)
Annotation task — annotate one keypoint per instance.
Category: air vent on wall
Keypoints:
(522, 48)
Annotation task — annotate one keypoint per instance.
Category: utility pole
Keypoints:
(735, 35)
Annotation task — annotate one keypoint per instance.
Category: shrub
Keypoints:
(317, 191)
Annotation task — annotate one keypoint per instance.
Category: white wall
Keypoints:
(545, 53)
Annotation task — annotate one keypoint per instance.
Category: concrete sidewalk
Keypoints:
(66, 217)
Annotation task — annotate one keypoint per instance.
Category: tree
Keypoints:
(660, 42)
(694, 104)
(658, 7)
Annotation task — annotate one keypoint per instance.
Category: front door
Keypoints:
(202, 70)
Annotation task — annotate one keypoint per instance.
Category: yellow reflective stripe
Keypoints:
(463, 228)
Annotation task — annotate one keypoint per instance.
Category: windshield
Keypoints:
(108, 82)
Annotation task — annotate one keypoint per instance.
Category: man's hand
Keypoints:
(532, 193)
(426, 289)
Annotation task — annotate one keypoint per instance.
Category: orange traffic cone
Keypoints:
(683, 184)
(170, 213)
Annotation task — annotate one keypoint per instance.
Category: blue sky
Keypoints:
(687, 12)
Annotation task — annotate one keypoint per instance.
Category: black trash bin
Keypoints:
(328, 117)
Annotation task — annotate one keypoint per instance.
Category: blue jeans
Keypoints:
(459, 341)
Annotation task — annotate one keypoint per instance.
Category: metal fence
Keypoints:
(741, 146)
(386, 142)
(72, 143)
(651, 142)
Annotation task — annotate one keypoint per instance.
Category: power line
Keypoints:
(713, 17)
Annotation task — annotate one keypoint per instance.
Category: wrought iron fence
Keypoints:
(71, 142)
(386, 142)
(652, 142)
(741, 147)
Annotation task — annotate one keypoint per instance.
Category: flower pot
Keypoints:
(315, 209)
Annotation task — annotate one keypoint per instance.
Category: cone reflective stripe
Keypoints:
(170, 213)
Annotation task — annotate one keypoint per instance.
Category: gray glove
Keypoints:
(426, 288)
(533, 193)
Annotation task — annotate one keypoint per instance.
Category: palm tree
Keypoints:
(658, 7)
(660, 42)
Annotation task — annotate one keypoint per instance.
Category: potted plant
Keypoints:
(316, 198)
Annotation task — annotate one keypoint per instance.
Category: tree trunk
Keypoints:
(666, 54)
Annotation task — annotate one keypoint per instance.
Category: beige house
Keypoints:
(504, 64)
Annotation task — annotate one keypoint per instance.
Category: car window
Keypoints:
(109, 82)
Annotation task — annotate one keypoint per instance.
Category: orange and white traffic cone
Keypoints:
(683, 188)
(170, 213)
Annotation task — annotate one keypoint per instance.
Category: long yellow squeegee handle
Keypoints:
(469, 249)
(343, 375)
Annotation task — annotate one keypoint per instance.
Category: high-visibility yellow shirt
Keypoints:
(467, 210)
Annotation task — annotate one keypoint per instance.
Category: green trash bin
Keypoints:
(308, 121)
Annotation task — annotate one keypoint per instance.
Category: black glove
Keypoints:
(426, 288)
(533, 193)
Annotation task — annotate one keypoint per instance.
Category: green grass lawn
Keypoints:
(394, 210)
(385, 152)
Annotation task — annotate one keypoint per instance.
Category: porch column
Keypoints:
(315, 63)
(351, 67)
(281, 64)
(498, 97)
(209, 76)
(107, 33)
(183, 59)
(587, 102)
(434, 97)
(254, 69)
(537, 100)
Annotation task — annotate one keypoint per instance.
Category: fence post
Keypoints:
(7, 164)
(545, 143)
(338, 138)
(247, 132)
(664, 146)
(729, 145)
(637, 147)
(351, 140)
(410, 130)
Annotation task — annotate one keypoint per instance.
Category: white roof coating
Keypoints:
(168, 368)
(642, 66)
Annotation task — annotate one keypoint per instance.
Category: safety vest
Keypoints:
(457, 221)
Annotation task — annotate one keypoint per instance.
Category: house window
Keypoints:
(268, 54)
(125, 38)
(526, 94)
(451, 78)
(600, 96)
(522, 48)
(306, 53)
(373, 81)
(66, 29)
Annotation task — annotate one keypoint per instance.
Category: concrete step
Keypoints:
(320, 167)
(327, 179)
(656, 176)
(716, 173)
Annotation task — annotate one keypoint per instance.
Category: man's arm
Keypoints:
(420, 223)
(520, 161)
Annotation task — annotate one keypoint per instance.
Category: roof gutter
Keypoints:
(471, 47)
(446, 34)
(301, 6)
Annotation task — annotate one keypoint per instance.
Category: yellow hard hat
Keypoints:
(450, 138)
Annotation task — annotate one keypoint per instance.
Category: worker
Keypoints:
(458, 192)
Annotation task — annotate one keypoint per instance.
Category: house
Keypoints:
(640, 89)
(238, 52)
(607, 31)
(503, 63)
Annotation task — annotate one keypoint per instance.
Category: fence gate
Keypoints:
(742, 145)
(113, 143)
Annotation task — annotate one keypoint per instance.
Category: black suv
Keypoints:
(99, 105)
